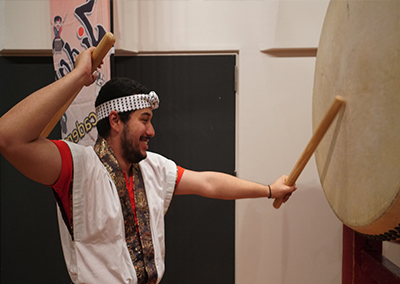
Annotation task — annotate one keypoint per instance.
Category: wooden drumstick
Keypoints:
(98, 54)
(312, 145)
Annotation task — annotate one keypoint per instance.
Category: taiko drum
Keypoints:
(358, 160)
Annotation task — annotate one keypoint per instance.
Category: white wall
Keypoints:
(2, 23)
(25, 24)
(301, 242)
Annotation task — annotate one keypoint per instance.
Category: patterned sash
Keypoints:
(140, 245)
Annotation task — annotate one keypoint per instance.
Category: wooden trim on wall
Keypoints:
(291, 52)
(118, 52)
(122, 52)
(26, 52)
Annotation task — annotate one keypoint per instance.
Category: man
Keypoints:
(112, 198)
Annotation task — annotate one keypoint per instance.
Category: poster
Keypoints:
(77, 25)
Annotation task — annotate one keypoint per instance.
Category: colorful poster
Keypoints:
(77, 25)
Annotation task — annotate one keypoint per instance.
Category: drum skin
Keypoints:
(358, 160)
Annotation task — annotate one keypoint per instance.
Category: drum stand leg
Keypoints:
(363, 262)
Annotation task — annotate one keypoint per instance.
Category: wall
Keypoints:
(301, 242)
(25, 24)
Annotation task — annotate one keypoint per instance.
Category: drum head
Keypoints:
(358, 160)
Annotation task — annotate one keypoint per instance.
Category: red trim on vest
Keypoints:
(62, 185)
(180, 173)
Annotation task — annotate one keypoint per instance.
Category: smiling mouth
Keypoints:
(145, 140)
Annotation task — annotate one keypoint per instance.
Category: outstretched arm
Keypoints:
(20, 128)
(224, 186)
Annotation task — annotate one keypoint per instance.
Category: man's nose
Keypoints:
(150, 130)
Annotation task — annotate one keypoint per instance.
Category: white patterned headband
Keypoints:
(127, 103)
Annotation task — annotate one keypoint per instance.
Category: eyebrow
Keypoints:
(148, 114)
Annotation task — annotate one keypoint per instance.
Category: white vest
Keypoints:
(98, 254)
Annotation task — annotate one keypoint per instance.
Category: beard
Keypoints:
(131, 150)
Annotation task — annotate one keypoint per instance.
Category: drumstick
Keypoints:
(312, 145)
(98, 54)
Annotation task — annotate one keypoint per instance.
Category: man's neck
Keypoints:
(126, 168)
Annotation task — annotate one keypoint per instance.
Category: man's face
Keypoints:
(136, 135)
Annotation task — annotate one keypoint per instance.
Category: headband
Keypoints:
(128, 103)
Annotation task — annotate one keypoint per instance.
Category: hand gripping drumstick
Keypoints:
(98, 54)
(312, 145)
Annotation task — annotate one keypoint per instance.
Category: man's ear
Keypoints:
(115, 121)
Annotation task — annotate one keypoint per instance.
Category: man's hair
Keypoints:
(116, 88)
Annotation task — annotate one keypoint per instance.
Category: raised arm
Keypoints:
(223, 186)
(20, 128)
